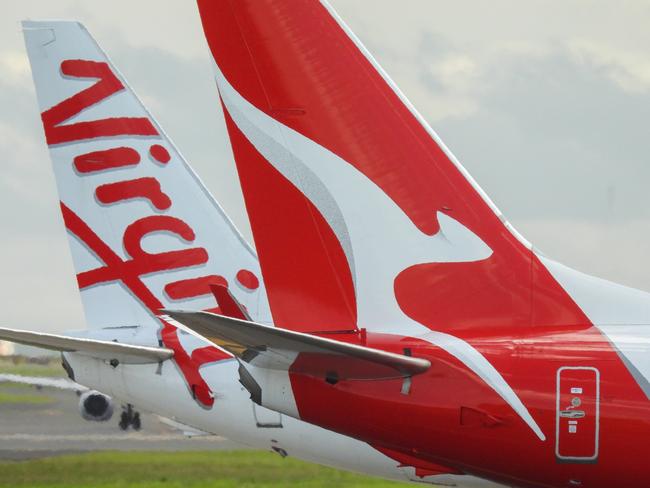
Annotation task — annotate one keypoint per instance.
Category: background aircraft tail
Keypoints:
(144, 231)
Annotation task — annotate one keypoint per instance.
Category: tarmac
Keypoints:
(29, 431)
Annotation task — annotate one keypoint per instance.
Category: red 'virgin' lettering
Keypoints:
(142, 262)
(160, 154)
(193, 287)
(135, 232)
(248, 279)
(114, 268)
(147, 187)
(107, 85)
(129, 273)
(116, 157)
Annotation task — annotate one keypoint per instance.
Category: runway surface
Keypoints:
(29, 430)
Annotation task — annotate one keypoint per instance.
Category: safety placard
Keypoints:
(578, 414)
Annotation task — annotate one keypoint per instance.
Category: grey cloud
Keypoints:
(26, 187)
(553, 138)
(543, 132)
(37, 285)
(615, 250)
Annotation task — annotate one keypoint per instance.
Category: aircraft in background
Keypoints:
(145, 234)
(408, 313)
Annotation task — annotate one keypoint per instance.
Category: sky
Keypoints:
(546, 103)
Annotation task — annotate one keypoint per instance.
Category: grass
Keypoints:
(16, 393)
(22, 366)
(7, 398)
(218, 469)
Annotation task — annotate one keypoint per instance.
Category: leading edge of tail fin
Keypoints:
(143, 230)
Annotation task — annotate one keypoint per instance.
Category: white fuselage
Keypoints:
(162, 390)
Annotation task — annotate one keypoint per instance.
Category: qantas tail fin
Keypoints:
(144, 232)
(362, 218)
(361, 215)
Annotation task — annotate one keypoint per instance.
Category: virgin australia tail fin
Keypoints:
(144, 231)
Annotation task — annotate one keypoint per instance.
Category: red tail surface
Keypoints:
(350, 192)
(363, 219)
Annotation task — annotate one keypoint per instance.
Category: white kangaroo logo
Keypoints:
(378, 239)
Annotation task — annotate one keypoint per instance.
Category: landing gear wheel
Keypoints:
(124, 421)
(135, 423)
(130, 417)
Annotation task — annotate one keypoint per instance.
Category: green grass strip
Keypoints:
(21, 399)
(216, 469)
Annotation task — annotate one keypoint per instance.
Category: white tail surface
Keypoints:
(144, 231)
